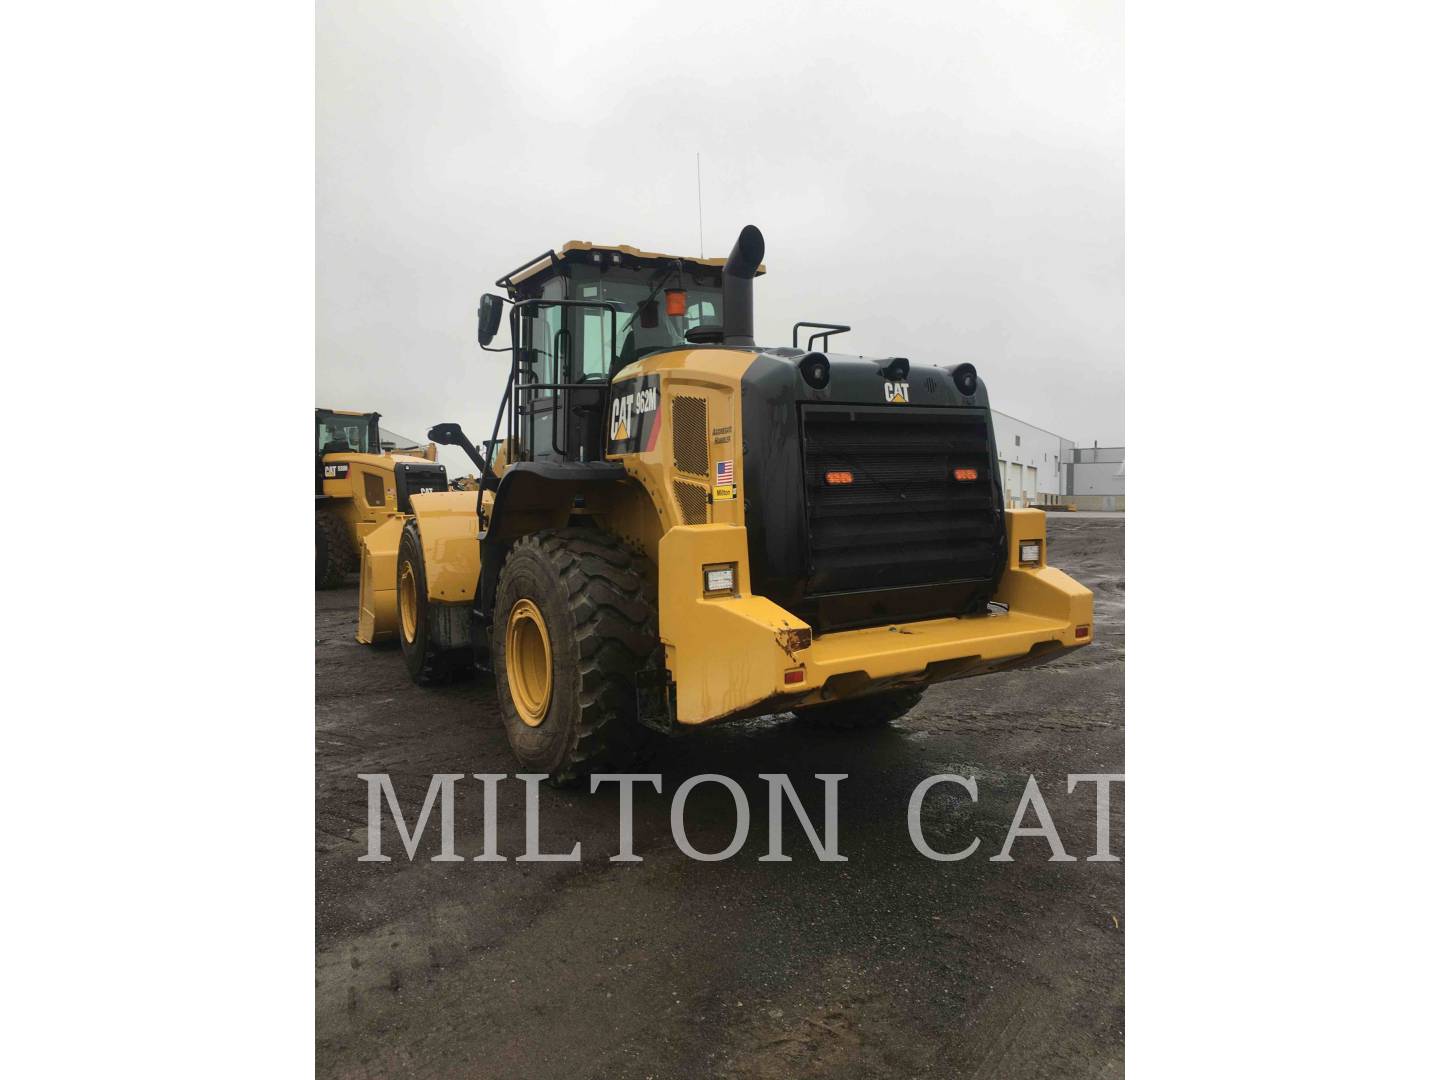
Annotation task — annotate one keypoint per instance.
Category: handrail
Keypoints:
(505, 281)
(826, 328)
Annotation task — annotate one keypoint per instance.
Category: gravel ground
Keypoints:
(888, 964)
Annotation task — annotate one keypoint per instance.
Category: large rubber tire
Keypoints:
(857, 714)
(427, 664)
(597, 600)
(332, 550)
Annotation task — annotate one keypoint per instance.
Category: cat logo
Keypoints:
(897, 393)
(634, 415)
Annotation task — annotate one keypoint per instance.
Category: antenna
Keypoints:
(700, 203)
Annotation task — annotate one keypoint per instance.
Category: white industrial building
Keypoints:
(1032, 461)
(1041, 468)
(1097, 478)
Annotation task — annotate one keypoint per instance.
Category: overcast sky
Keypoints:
(948, 179)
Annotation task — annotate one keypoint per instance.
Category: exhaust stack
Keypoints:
(738, 283)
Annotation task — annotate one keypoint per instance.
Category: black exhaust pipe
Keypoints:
(738, 283)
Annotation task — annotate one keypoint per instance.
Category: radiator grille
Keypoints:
(693, 503)
(904, 520)
(690, 428)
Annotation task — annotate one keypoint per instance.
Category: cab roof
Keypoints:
(578, 252)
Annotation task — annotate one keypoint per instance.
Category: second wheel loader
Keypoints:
(359, 480)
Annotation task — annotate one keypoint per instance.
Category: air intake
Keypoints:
(689, 425)
(693, 503)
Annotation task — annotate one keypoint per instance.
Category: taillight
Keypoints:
(967, 474)
(839, 476)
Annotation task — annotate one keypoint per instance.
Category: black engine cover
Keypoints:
(413, 478)
(903, 539)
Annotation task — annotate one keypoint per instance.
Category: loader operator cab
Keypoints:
(347, 433)
(582, 314)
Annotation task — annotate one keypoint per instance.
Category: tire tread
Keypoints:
(612, 599)
(332, 556)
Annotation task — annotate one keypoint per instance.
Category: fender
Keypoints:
(532, 495)
(449, 524)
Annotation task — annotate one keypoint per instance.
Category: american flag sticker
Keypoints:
(724, 481)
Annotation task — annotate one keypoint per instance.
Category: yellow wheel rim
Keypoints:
(409, 602)
(527, 662)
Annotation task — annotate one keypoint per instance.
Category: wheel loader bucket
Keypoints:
(378, 620)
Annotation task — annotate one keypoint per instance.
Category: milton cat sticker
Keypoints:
(634, 415)
(897, 393)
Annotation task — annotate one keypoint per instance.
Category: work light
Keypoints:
(720, 580)
(815, 370)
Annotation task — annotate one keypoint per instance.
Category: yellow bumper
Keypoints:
(730, 655)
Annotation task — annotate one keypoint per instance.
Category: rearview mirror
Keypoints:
(446, 434)
(491, 308)
(451, 435)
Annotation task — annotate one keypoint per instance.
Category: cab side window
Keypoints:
(595, 351)
(548, 336)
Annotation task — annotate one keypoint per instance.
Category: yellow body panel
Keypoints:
(1042, 590)
(650, 508)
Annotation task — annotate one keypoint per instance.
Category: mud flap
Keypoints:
(655, 699)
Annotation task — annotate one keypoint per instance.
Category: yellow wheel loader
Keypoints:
(359, 481)
(681, 526)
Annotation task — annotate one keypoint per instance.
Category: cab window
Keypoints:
(642, 323)
(344, 434)
(595, 349)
